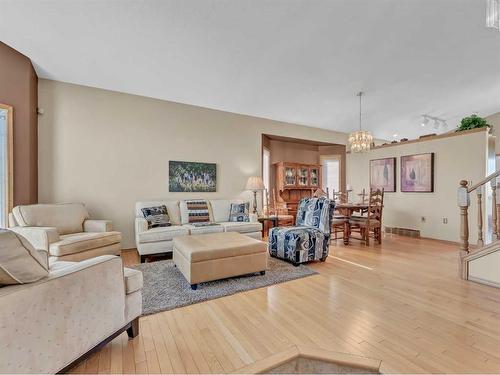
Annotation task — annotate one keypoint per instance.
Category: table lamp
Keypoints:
(255, 184)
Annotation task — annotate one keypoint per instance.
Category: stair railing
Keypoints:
(463, 198)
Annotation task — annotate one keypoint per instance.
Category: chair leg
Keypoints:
(133, 330)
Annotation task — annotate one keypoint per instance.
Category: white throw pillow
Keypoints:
(20, 263)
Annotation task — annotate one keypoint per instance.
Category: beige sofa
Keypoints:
(47, 325)
(159, 240)
(65, 231)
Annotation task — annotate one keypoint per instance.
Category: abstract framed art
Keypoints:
(383, 174)
(186, 176)
(417, 173)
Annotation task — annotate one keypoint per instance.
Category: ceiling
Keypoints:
(300, 61)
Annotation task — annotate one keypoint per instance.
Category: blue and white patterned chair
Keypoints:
(309, 239)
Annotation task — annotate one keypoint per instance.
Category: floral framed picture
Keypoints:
(383, 174)
(417, 173)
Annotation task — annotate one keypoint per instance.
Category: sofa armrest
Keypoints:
(253, 218)
(141, 225)
(85, 297)
(39, 237)
(97, 226)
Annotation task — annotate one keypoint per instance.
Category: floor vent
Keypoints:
(403, 231)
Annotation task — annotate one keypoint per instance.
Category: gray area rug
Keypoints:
(165, 288)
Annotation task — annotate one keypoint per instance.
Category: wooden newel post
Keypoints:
(463, 203)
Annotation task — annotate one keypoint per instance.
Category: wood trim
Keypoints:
(266, 364)
(133, 325)
(433, 138)
(10, 157)
(485, 282)
(486, 250)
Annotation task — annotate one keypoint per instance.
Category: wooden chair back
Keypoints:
(341, 197)
(375, 205)
(320, 193)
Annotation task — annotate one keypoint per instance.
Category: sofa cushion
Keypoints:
(156, 216)
(204, 229)
(20, 263)
(162, 234)
(66, 217)
(78, 242)
(241, 227)
(239, 212)
(133, 280)
(194, 211)
(221, 208)
(172, 209)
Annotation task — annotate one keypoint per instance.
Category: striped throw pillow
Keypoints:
(197, 211)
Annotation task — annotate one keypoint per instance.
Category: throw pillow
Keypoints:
(197, 210)
(156, 216)
(20, 263)
(239, 212)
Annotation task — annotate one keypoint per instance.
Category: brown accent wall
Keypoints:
(19, 89)
(303, 152)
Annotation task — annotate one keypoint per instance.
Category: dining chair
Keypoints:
(280, 210)
(372, 221)
(339, 220)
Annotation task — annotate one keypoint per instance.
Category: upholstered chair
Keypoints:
(65, 231)
(52, 317)
(309, 239)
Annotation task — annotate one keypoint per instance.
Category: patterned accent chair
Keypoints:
(310, 237)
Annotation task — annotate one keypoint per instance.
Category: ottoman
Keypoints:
(215, 256)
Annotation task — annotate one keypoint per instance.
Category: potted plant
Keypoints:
(472, 122)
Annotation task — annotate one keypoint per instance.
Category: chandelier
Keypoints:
(360, 140)
(493, 14)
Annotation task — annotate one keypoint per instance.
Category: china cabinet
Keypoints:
(295, 181)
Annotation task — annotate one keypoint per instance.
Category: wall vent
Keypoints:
(403, 231)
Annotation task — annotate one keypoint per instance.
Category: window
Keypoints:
(331, 173)
(5, 163)
(266, 165)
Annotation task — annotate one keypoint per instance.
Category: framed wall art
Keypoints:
(186, 176)
(417, 173)
(383, 174)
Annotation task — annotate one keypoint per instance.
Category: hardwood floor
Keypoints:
(401, 302)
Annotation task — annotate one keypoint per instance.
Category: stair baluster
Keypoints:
(479, 193)
(494, 217)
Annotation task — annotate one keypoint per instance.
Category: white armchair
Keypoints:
(65, 231)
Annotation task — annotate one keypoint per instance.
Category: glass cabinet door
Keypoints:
(314, 177)
(303, 177)
(290, 174)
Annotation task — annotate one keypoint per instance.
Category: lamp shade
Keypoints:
(255, 183)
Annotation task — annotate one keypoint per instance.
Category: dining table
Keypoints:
(347, 209)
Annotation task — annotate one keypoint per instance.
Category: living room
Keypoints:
(241, 187)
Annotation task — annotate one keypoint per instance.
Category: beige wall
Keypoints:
(456, 158)
(110, 149)
(485, 269)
